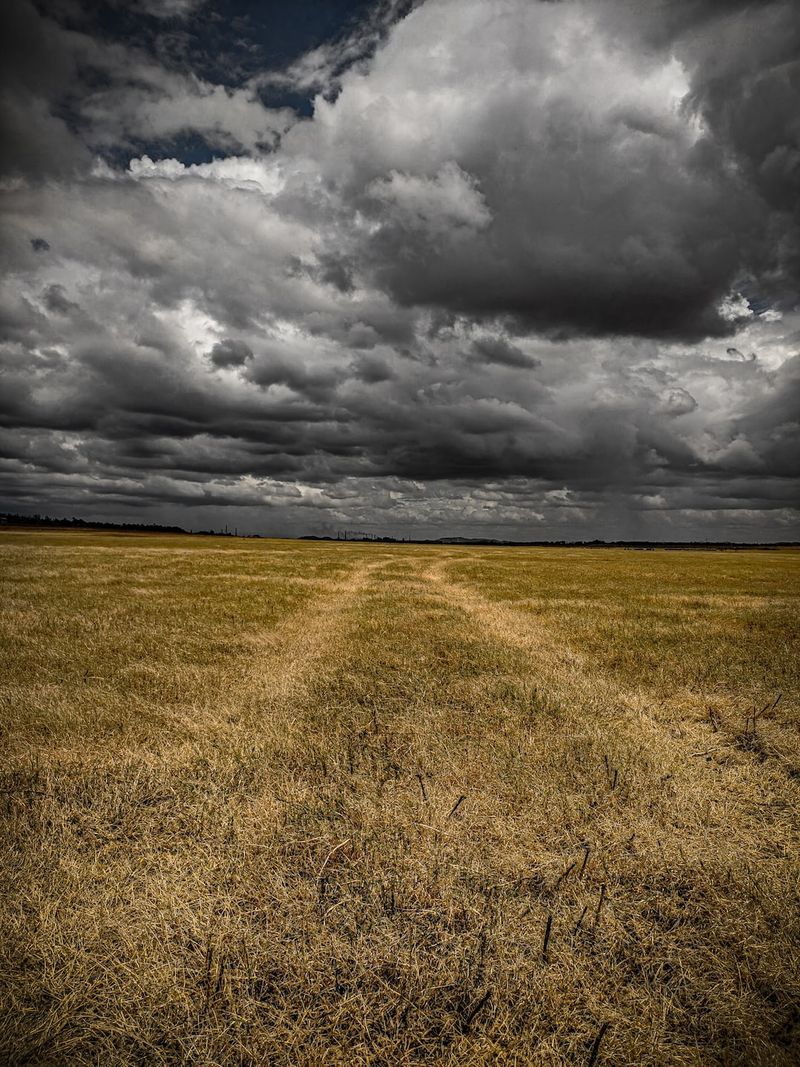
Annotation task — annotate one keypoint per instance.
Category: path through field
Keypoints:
(333, 804)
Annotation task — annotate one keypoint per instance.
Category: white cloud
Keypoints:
(440, 205)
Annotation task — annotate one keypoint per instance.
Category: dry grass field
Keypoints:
(326, 804)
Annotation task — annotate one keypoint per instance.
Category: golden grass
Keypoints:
(287, 803)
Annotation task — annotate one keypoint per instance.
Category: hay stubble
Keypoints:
(271, 802)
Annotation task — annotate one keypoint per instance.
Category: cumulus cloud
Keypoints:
(500, 281)
(603, 209)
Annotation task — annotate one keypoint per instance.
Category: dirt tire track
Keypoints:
(583, 686)
(268, 685)
(561, 668)
(311, 634)
(576, 681)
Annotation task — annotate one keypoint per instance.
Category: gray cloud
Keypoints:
(677, 401)
(230, 353)
(734, 353)
(67, 93)
(498, 350)
(502, 281)
(464, 212)
(55, 299)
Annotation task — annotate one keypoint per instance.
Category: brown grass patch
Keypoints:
(272, 802)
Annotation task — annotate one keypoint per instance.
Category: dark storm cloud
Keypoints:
(55, 299)
(744, 61)
(596, 206)
(498, 350)
(596, 267)
(507, 278)
(230, 353)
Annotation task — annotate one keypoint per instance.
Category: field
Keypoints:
(272, 802)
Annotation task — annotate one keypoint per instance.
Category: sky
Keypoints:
(524, 269)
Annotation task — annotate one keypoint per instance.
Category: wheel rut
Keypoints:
(313, 634)
(583, 685)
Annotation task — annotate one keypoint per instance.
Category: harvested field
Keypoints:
(274, 802)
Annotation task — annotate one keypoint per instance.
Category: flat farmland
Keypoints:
(276, 802)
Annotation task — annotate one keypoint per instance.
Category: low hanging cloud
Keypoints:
(502, 280)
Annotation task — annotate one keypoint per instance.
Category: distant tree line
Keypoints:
(37, 520)
(11, 519)
(640, 545)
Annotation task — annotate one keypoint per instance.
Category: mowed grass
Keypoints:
(297, 803)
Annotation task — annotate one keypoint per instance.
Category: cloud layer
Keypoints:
(529, 270)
